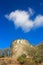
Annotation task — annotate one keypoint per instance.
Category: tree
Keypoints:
(1, 53)
(6, 52)
(39, 54)
(21, 59)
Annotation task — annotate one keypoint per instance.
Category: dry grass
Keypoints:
(13, 61)
(8, 61)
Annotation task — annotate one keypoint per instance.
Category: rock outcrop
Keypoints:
(18, 47)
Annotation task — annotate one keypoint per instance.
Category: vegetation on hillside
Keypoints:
(34, 55)
(5, 53)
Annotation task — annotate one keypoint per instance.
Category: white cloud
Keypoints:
(38, 21)
(22, 19)
(31, 11)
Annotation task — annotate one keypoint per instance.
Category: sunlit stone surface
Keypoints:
(18, 47)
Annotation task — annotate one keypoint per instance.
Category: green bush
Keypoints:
(21, 59)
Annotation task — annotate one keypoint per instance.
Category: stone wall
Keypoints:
(17, 47)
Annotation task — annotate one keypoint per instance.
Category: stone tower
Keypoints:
(18, 47)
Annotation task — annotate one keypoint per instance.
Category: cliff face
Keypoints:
(19, 47)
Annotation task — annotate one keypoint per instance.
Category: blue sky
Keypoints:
(21, 19)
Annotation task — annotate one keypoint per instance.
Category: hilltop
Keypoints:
(19, 47)
(21, 52)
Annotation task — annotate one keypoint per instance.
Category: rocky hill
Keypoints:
(20, 47)
(21, 52)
